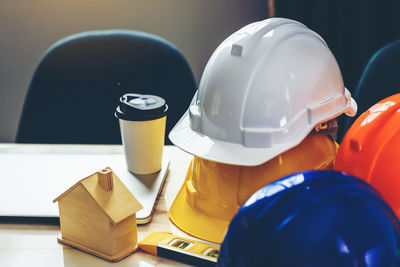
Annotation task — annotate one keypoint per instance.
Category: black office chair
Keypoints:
(380, 79)
(77, 84)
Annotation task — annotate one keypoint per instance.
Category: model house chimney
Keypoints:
(105, 179)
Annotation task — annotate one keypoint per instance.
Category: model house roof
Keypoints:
(109, 193)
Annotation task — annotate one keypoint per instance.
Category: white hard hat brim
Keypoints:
(219, 151)
(200, 145)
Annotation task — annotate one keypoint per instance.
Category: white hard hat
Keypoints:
(262, 92)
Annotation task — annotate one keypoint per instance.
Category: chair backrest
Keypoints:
(77, 84)
(380, 79)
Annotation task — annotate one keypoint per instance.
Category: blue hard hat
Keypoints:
(313, 218)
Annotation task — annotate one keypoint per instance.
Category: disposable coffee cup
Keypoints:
(142, 120)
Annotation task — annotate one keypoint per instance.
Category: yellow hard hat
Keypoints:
(213, 192)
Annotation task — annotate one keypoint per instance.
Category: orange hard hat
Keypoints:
(370, 150)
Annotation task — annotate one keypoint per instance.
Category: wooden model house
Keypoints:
(98, 215)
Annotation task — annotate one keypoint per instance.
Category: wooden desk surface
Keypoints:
(36, 245)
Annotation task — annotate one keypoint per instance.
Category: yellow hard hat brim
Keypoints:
(207, 222)
(193, 221)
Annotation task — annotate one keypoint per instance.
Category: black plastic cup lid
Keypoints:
(137, 107)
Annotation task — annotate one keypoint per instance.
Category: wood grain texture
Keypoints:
(118, 204)
(98, 217)
(105, 178)
(82, 221)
